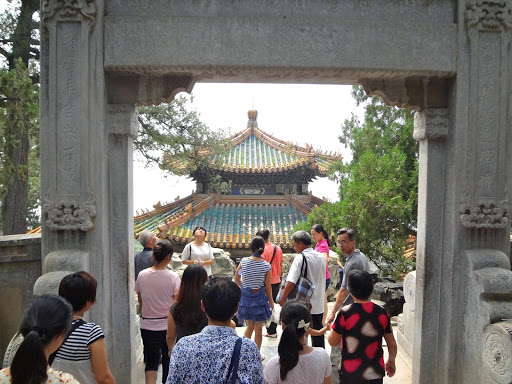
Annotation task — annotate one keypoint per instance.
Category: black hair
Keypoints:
(161, 249)
(320, 229)
(199, 227)
(78, 288)
(350, 232)
(265, 233)
(220, 298)
(46, 318)
(289, 346)
(257, 245)
(360, 284)
(187, 308)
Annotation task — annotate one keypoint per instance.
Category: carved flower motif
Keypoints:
(489, 14)
(68, 9)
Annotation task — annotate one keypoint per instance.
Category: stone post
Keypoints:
(431, 130)
(122, 126)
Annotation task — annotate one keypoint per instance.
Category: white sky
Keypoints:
(301, 114)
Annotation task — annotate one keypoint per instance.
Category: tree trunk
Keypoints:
(15, 204)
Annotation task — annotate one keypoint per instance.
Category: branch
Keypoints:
(35, 79)
(34, 42)
(5, 41)
(7, 55)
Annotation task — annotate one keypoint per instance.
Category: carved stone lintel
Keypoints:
(68, 10)
(431, 124)
(69, 215)
(484, 214)
(497, 351)
(147, 90)
(122, 119)
(415, 93)
(489, 15)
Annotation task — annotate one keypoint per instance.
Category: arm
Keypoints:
(172, 332)
(328, 380)
(340, 298)
(208, 262)
(139, 298)
(319, 332)
(339, 263)
(211, 258)
(334, 338)
(392, 349)
(238, 278)
(287, 289)
(186, 254)
(268, 288)
(99, 362)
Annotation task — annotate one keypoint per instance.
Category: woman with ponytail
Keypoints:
(298, 363)
(321, 238)
(253, 274)
(45, 324)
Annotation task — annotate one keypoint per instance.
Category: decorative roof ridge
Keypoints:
(162, 208)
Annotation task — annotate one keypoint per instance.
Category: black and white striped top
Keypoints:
(75, 348)
(253, 272)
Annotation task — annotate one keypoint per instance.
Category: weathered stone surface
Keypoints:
(391, 294)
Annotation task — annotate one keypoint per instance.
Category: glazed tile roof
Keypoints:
(229, 220)
(255, 151)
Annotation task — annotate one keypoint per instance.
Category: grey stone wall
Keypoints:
(20, 266)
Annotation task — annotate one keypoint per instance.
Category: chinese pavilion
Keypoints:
(269, 189)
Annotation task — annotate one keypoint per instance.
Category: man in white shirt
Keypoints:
(316, 274)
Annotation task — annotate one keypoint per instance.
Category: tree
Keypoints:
(19, 137)
(173, 137)
(378, 187)
(18, 45)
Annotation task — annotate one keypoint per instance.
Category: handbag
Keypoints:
(303, 288)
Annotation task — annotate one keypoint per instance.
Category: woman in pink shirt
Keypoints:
(320, 236)
(156, 288)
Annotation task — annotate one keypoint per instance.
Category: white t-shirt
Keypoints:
(312, 368)
(200, 253)
(316, 274)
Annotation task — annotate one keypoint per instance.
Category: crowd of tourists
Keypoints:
(188, 324)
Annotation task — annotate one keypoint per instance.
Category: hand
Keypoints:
(328, 325)
(272, 304)
(330, 318)
(390, 368)
(282, 301)
(196, 261)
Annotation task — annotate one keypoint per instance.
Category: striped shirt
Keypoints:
(75, 348)
(254, 272)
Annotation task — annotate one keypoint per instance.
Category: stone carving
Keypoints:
(497, 352)
(410, 290)
(431, 123)
(489, 15)
(70, 215)
(68, 9)
(400, 322)
(485, 214)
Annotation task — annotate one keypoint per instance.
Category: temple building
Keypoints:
(268, 181)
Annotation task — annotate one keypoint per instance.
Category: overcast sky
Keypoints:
(301, 114)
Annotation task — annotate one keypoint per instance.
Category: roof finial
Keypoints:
(253, 115)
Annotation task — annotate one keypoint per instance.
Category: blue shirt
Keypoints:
(205, 358)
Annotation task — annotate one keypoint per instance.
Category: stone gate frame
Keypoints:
(449, 60)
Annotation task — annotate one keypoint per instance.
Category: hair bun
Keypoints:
(260, 251)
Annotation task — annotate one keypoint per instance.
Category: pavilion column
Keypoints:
(122, 127)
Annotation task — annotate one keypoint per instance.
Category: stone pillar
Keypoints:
(122, 126)
(431, 130)
(86, 174)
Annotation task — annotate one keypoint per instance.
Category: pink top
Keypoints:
(276, 264)
(322, 247)
(157, 288)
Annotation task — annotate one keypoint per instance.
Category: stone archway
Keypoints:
(450, 60)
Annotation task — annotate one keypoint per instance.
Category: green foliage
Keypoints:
(172, 136)
(378, 188)
(19, 116)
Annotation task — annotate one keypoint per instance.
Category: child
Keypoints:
(361, 326)
(298, 363)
